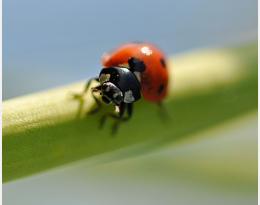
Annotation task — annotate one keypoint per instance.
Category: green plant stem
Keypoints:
(44, 130)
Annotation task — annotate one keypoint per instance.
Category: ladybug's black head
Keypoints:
(119, 85)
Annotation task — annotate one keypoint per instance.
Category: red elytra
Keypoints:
(154, 80)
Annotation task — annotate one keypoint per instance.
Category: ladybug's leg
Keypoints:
(163, 112)
(79, 96)
(129, 111)
(98, 103)
(86, 88)
(123, 119)
(118, 117)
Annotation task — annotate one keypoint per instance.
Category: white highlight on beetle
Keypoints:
(146, 50)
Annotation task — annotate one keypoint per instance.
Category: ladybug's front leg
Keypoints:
(118, 117)
(121, 119)
(86, 88)
(80, 96)
(98, 103)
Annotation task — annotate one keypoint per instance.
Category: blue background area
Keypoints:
(53, 42)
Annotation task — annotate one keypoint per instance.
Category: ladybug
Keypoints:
(131, 71)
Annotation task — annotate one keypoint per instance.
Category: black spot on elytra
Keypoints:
(136, 64)
(160, 89)
(162, 61)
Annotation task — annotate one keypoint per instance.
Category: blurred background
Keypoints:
(52, 43)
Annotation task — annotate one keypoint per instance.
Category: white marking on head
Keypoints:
(129, 98)
(146, 50)
(104, 77)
